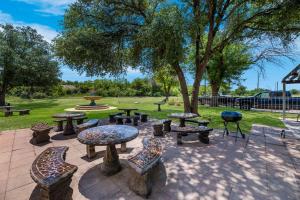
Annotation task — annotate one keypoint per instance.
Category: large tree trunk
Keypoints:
(2, 98)
(196, 87)
(215, 87)
(183, 88)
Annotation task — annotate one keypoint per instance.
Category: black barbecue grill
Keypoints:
(235, 117)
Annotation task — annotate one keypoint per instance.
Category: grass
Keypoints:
(42, 110)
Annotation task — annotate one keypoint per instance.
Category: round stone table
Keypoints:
(109, 136)
(69, 128)
(182, 117)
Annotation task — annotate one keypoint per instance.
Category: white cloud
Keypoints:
(4, 17)
(48, 33)
(53, 7)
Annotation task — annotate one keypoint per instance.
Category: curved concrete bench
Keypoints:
(89, 124)
(143, 164)
(52, 174)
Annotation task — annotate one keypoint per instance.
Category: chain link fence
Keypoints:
(252, 103)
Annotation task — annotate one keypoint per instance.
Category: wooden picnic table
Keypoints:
(69, 128)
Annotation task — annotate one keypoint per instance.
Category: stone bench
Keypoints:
(80, 119)
(112, 117)
(160, 103)
(144, 117)
(143, 165)
(199, 122)
(52, 174)
(167, 124)
(40, 133)
(8, 113)
(89, 124)
(119, 119)
(23, 111)
(158, 129)
(184, 131)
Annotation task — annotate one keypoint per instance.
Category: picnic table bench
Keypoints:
(52, 174)
(8, 113)
(184, 131)
(199, 122)
(89, 124)
(142, 164)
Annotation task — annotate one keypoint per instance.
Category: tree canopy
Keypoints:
(105, 37)
(227, 67)
(25, 59)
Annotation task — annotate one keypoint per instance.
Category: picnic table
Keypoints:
(69, 128)
(182, 117)
(109, 136)
(128, 110)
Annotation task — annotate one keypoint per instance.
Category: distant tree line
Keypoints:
(100, 87)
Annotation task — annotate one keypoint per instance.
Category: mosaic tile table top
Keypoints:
(108, 134)
(69, 115)
(182, 115)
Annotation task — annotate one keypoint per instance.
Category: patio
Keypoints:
(263, 166)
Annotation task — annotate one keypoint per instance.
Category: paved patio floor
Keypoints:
(263, 166)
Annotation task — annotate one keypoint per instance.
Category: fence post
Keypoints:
(284, 100)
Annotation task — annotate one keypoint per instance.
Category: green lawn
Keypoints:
(42, 110)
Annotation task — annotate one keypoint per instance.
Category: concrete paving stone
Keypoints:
(225, 169)
(19, 171)
(5, 157)
(3, 184)
(2, 196)
(249, 193)
(21, 193)
(285, 188)
(5, 149)
(90, 178)
(4, 167)
(18, 181)
(100, 190)
(19, 155)
(22, 162)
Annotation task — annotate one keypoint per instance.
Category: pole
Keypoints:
(257, 87)
(284, 100)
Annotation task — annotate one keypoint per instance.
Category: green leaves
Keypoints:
(26, 59)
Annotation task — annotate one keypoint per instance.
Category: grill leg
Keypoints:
(239, 129)
(225, 129)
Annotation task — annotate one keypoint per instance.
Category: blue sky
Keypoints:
(46, 16)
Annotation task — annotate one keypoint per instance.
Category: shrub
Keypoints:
(39, 95)
(171, 102)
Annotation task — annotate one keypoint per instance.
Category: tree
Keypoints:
(25, 59)
(103, 37)
(165, 76)
(241, 90)
(228, 66)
